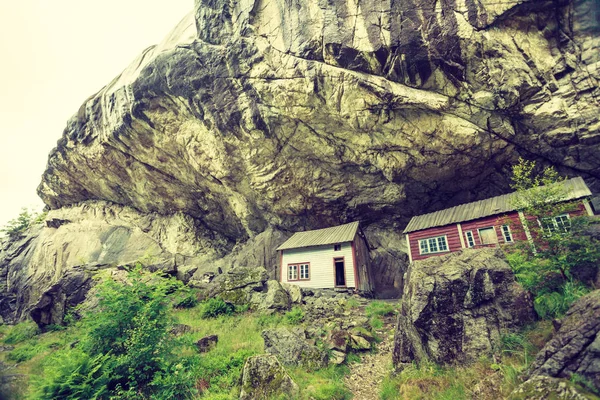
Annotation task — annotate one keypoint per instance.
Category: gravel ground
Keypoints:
(364, 380)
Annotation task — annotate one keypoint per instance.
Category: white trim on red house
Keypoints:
(410, 259)
(588, 207)
(460, 236)
(526, 230)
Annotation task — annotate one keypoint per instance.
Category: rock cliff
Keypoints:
(306, 114)
(256, 116)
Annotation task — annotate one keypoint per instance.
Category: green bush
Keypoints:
(73, 374)
(555, 304)
(24, 353)
(21, 332)
(186, 299)
(15, 227)
(126, 351)
(216, 306)
(295, 316)
(376, 322)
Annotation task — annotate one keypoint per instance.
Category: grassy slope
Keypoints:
(240, 337)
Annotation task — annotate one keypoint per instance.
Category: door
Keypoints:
(340, 272)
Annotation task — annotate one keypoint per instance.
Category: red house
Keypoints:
(484, 223)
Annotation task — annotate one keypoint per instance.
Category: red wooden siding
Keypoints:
(451, 232)
(510, 219)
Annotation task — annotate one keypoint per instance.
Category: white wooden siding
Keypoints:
(322, 272)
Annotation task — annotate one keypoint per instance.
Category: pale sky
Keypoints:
(54, 55)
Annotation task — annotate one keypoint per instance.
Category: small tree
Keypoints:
(561, 245)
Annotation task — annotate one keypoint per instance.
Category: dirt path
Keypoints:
(364, 380)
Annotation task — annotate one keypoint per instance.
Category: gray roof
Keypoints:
(335, 234)
(575, 188)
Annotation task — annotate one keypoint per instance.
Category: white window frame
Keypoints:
(481, 237)
(292, 272)
(304, 275)
(296, 272)
(507, 233)
(428, 247)
(337, 247)
(470, 238)
(556, 226)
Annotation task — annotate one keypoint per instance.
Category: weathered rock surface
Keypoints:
(265, 378)
(255, 119)
(50, 268)
(291, 348)
(456, 307)
(252, 115)
(545, 387)
(575, 348)
(207, 343)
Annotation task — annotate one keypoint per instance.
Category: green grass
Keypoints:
(324, 384)
(380, 308)
(500, 378)
(295, 316)
(21, 332)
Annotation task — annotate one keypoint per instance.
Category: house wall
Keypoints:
(451, 232)
(510, 219)
(363, 264)
(322, 270)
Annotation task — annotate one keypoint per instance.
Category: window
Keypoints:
(470, 239)
(299, 272)
(560, 223)
(337, 247)
(303, 271)
(506, 233)
(488, 236)
(433, 245)
(292, 272)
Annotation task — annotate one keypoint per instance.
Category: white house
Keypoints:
(336, 257)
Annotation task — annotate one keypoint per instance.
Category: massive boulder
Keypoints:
(575, 348)
(254, 114)
(456, 307)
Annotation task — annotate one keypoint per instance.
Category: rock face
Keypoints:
(264, 377)
(256, 118)
(252, 115)
(544, 387)
(50, 268)
(291, 348)
(575, 348)
(455, 308)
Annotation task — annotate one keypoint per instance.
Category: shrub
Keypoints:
(24, 353)
(73, 374)
(15, 227)
(21, 332)
(295, 316)
(126, 351)
(216, 306)
(352, 303)
(555, 304)
(186, 299)
(376, 322)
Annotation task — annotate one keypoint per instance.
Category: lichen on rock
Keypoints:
(455, 308)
